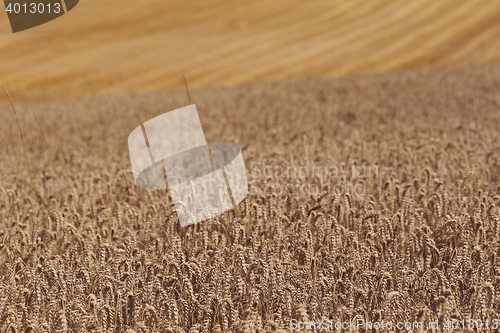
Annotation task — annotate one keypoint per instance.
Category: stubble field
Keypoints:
(123, 46)
(420, 243)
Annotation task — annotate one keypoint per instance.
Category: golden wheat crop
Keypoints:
(422, 243)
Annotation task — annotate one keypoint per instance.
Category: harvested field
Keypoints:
(119, 46)
(420, 243)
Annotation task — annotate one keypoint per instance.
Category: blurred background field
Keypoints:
(112, 47)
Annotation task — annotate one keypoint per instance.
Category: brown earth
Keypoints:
(419, 243)
(107, 47)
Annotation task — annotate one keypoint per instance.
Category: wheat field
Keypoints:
(107, 47)
(92, 252)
